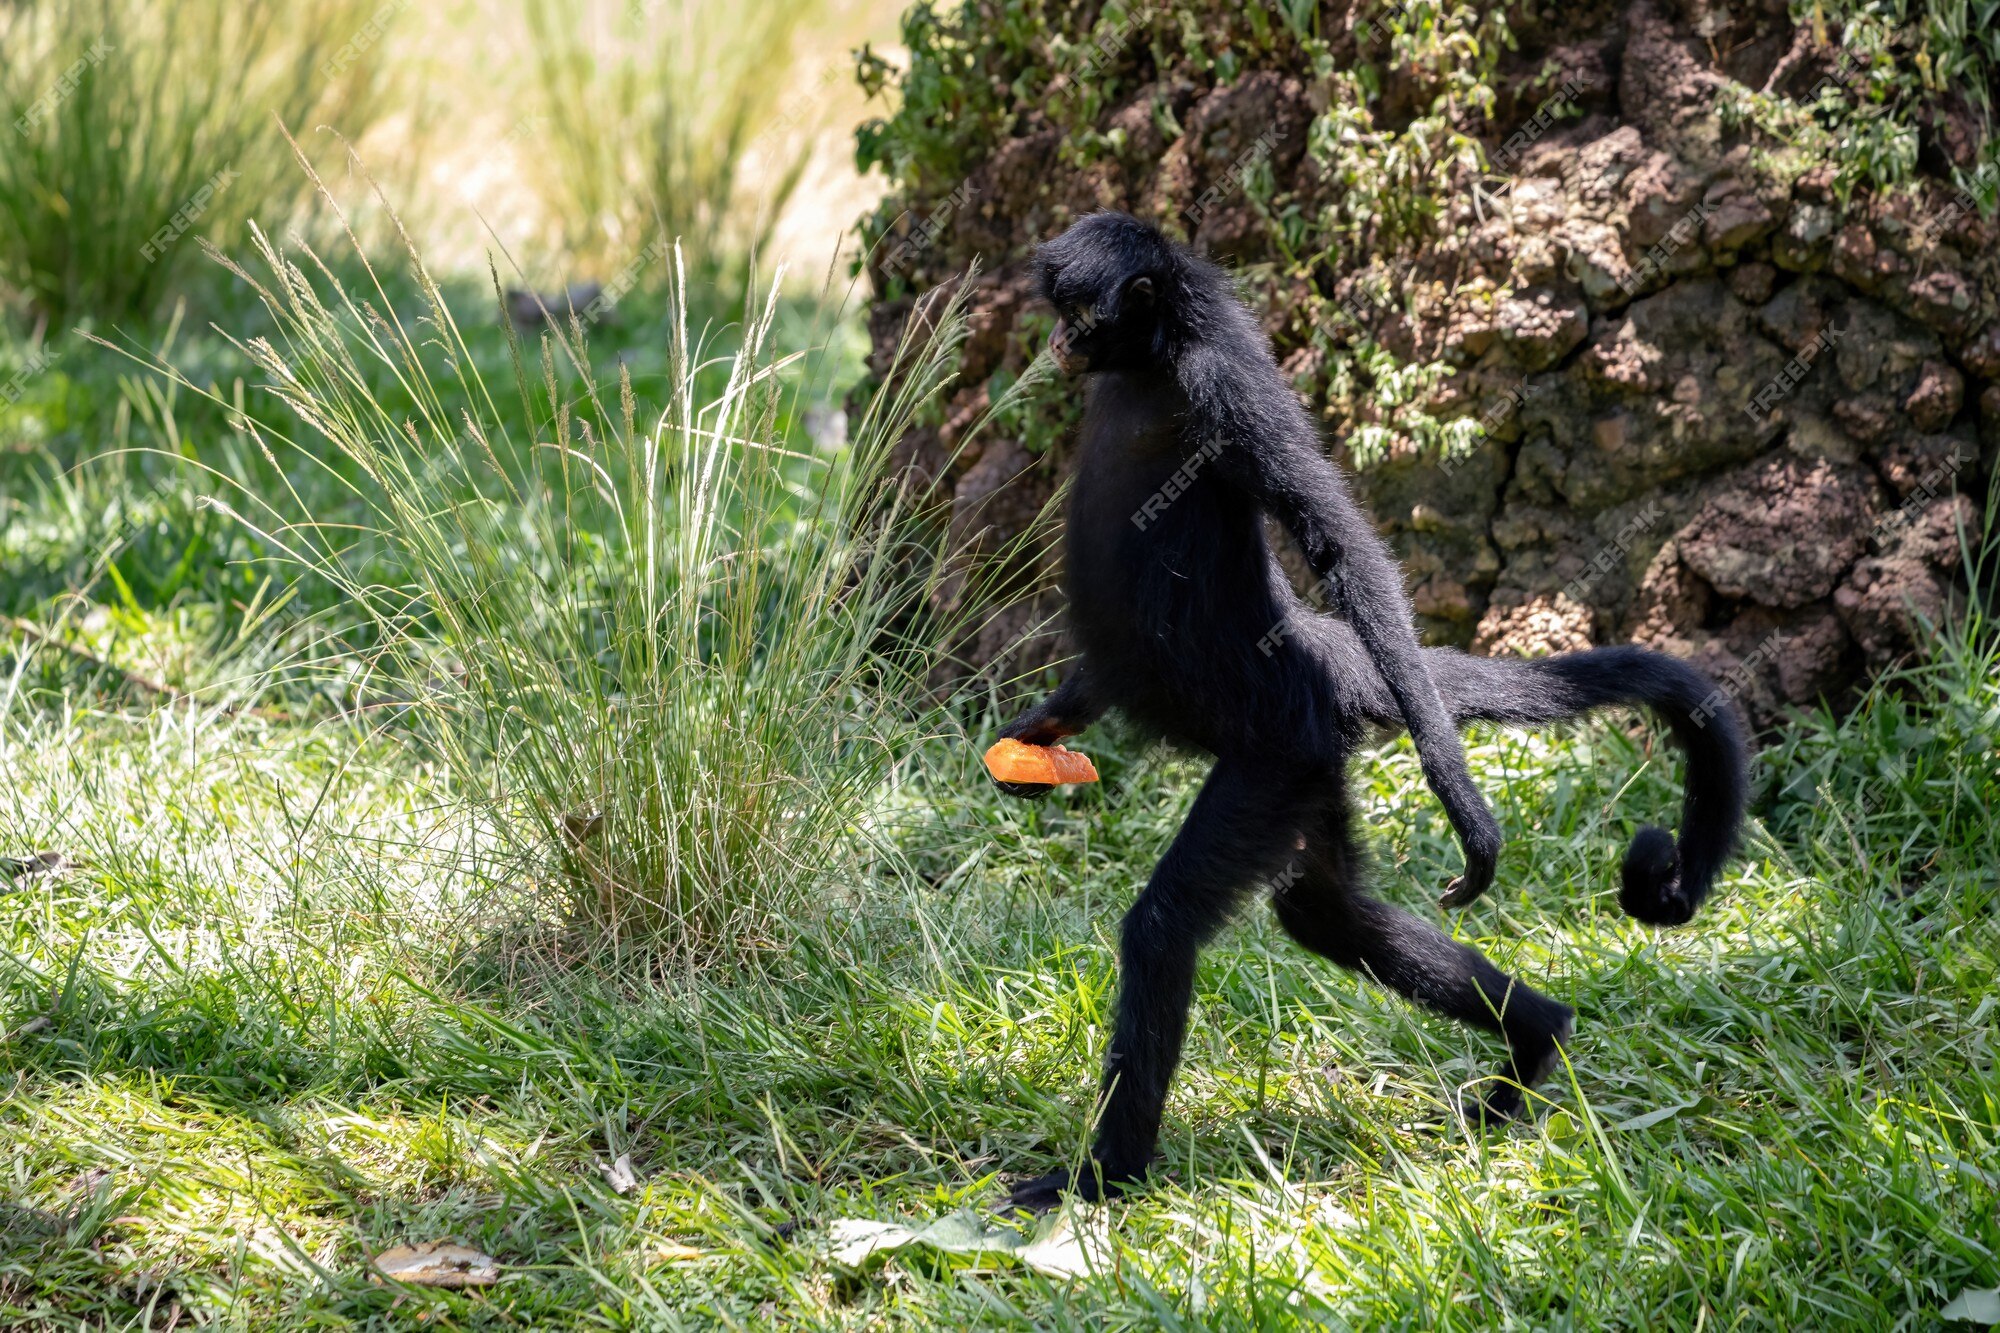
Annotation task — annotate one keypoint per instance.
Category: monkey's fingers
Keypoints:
(1037, 731)
(1460, 892)
(1027, 791)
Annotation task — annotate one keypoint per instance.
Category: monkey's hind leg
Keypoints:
(1326, 912)
(1240, 835)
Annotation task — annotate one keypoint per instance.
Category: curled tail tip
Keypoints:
(1653, 890)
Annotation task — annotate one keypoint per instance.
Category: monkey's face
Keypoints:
(1111, 331)
(1069, 341)
(1107, 277)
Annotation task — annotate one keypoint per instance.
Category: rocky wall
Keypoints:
(1682, 383)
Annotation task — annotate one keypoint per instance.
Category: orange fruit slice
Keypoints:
(1042, 765)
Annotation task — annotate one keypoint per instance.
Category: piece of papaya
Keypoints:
(1038, 765)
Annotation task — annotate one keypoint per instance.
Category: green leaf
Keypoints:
(1659, 1117)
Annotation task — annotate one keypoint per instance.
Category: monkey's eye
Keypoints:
(1084, 315)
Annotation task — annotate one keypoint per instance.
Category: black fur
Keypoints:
(1186, 622)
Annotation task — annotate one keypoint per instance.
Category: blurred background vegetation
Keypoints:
(569, 132)
(562, 148)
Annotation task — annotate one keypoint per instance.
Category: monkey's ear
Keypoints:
(1140, 290)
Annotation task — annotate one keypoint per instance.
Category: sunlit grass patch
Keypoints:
(270, 1018)
(670, 661)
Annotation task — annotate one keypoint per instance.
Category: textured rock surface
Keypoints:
(1721, 409)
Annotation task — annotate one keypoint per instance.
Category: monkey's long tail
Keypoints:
(1663, 882)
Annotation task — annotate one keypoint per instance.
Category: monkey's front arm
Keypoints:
(1299, 485)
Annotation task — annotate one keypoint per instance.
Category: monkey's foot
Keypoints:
(1503, 1103)
(1044, 1193)
(1506, 1096)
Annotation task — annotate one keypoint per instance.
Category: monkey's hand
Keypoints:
(1479, 834)
(1027, 791)
(1073, 706)
(1038, 726)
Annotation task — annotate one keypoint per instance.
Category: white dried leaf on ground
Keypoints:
(1067, 1252)
(439, 1263)
(620, 1175)
(1058, 1250)
(1974, 1305)
(856, 1239)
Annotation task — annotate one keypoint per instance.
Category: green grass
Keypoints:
(277, 1021)
(95, 455)
(651, 108)
(655, 651)
(135, 128)
(295, 996)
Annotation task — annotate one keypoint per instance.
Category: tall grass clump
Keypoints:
(672, 658)
(646, 118)
(129, 128)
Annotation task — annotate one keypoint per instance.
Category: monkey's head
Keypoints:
(1107, 277)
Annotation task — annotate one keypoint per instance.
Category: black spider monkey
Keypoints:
(1185, 621)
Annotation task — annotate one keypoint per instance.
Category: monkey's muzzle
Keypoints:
(1068, 360)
